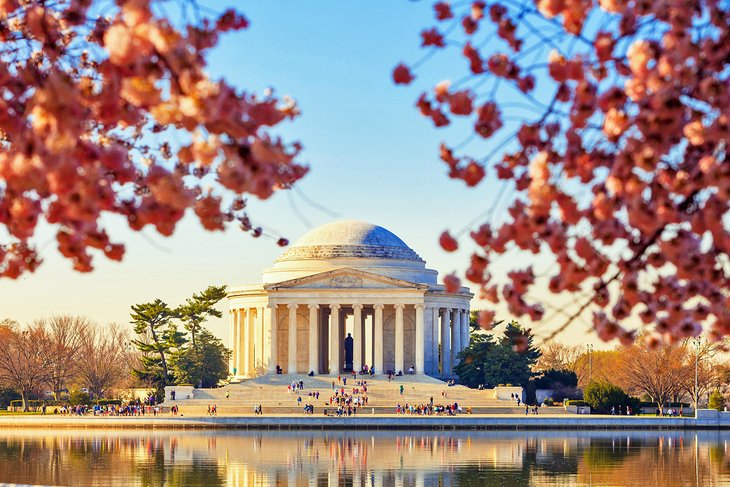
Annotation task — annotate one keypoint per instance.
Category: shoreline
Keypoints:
(380, 422)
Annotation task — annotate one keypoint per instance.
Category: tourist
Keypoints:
(228, 394)
(411, 370)
(527, 409)
(311, 373)
(172, 395)
(401, 389)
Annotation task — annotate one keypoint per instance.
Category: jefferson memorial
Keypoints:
(345, 296)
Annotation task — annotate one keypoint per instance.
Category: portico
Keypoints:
(348, 279)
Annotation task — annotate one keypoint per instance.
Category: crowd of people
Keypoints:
(132, 408)
(431, 409)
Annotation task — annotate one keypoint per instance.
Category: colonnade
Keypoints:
(248, 332)
(256, 348)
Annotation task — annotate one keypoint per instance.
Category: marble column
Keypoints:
(446, 342)
(273, 331)
(243, 353)
(357, 337)
(313, 338)
(455, 338)
(231, 339)
(243, 340)
(251, 343)
(420, 340)
(292, 345)
(464, 328)
(378, 342)
(368, 321)
(435, 340)
(399, 348)
(260, 338)
(335, 342)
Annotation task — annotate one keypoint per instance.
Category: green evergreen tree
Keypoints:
(492, 362)
(198, 309)
(205, 365)
(181, 351)
(602, 396)
(157, 339)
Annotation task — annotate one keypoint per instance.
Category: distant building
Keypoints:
(355, 278)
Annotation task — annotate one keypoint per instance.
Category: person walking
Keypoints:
(401, 389)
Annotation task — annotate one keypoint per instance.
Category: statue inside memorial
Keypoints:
(348, 353)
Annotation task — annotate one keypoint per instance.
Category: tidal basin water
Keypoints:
(365, 459)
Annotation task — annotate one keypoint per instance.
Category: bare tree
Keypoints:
(599, 365)
(25, 358)
(559, 356)
(66, 333)
(660, 373)
(104, 361)
(700, 358)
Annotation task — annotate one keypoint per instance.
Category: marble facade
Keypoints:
(347, 277)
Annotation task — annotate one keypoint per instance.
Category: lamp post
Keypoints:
(697, 342)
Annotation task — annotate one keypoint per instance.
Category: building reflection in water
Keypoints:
(367, 459)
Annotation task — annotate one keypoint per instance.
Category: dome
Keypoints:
(350, 239)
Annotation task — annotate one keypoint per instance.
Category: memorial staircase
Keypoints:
(270, 391)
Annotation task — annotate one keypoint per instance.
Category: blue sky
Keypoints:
(372, 157)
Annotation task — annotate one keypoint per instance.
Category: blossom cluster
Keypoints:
(618, 168)
(112, 112)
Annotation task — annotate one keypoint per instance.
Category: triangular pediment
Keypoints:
(346, 278)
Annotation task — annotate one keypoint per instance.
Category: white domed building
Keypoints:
(347, 295)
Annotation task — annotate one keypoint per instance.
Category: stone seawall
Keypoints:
(391, 422)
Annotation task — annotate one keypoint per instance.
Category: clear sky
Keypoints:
(372, 157)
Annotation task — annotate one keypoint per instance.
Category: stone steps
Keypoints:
(271, 393)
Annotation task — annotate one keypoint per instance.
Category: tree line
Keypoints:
(63, 352)
(50, 357)
(660, 374)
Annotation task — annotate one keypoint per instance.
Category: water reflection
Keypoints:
(365, 459)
